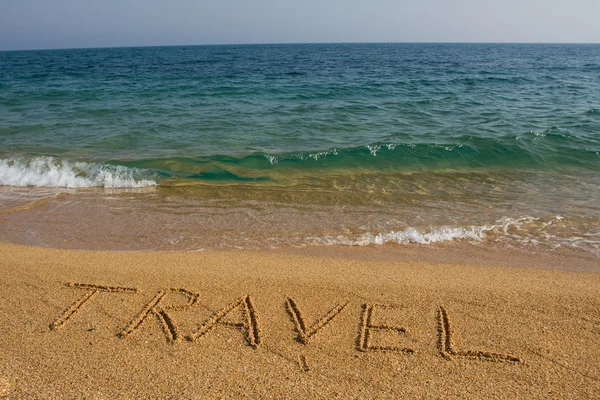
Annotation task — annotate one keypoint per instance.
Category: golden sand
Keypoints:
(243, 324)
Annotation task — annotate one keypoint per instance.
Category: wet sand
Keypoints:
(246, 324)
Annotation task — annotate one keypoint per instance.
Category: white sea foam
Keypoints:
(323, 154)
(373, 149)
(53, 172)
(272, 159)
(524, 231)
(409, 235)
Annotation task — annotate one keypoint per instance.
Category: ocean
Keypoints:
(283, 146)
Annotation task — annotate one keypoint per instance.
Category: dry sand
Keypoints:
(243, 324)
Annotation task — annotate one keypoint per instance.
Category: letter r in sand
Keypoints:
(162, 313)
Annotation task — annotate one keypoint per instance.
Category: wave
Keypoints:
(552, 149)
(409, 235)
(548, 150)
(551, 232)
(52, 172)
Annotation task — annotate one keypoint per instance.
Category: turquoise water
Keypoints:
(305, 144)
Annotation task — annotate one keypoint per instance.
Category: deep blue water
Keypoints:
(468, 105)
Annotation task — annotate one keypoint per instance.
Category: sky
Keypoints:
(50, 24)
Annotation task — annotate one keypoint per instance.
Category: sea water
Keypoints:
(201, 147)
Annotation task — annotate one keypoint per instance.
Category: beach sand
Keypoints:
(275, 324)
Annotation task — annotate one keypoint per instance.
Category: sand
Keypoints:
(244, 324)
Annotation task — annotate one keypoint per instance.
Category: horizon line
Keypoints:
(287, 43)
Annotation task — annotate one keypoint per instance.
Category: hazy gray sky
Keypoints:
(37, 24)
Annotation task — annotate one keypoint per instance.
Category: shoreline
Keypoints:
(253, 324)
(453, 252)
(249, 217)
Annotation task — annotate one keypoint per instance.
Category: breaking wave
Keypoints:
(52, 172)
(409, 235)
(551, 232)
